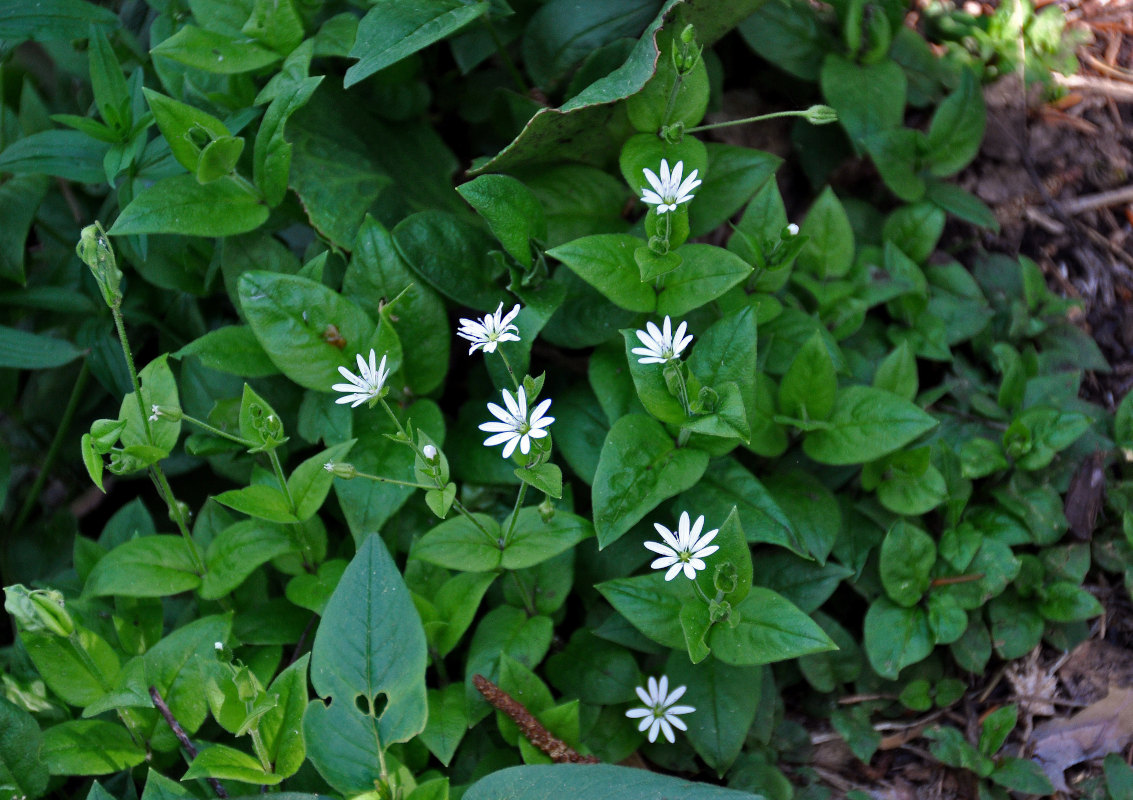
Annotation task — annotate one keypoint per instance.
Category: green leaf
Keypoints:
(995, 727)
(90, 747)
(291, 317)
(812, 509)
(536, 540)
(238, 550)
(23, 350)
(547, 478)
(71, 155)
(652, 388)
(916, 229)
(594, 670)
(312, 592)
(790, 36)
(1068, 602)
(260, 501)
(456, 603)
(808, 389)
(182, 205)
(505, 631)
(271, 158)
(452, 256)
(895, 637)
(733, 550)
(459, 544)
(606, 262)
(152, 566)
(309, 483)
(227, 763)
(896, 154)
(734, 174)
(907, 558)
(53, 20)
(639, 467)
(448, 722)
(214, 52)
(511, 210)
(68, 674)
(705, 273)
(392, 30)
(726, 699)
(20, 197)
(651, 604)
(185, 128)
(869, 99)
(766, 628)
(1024, 776)
(957, 128)
(961, 203)
(233, 349)
(897, 373)
(22, 770)
(804, 582)
(829, 249)
(669, 97)
(594, 782)
(369, 647)
(866, 424)
(1118, 777)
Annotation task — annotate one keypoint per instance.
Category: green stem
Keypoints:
(260, 750)
(507, 364)
(745, 120)
(459, 506)
(528, 601)
(672, 101)
(53, 449)
(120, 325)
(278, 469)
(167, 495)
(509, 65)
(700, 592)
(381, 479)
(515, 514)
(217, 431)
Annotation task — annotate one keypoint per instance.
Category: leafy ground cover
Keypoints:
(517, 410)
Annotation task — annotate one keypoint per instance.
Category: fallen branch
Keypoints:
(559, 751)
(182, 737)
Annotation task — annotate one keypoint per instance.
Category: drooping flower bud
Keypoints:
(820, 115)
(95, 251)
(38, 610)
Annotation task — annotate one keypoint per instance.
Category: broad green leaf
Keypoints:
(233, 349)
(451, 255)
(639, 467)
(810, 507)
(461, 544)
(260, 501)
(734, 175)
(310, 482)
(312, 592)
(649, 380)
(20, 197)
(790, 36)
(705, 273)
(504, 631)
(90, 747)
(896, 154)
(22, 769)
(734, 550)
(726, 699)
(651, 604)
(866, 424)
(51, 20)
(957, 128)
(916, 229)
(78, 680)
(606, 262)
(275, 23)
(392, 30)
(1024, 776)
(227, 763)
(906, 561)
(511, 210)
(23, 350)
(895, 637)
(71, 155)
(238, 550)
(897, 373)
(594, 782)
(448, 721)
(594, 670)
(301, 324)
(152, 566)
(369, 651)
(1067, 602)
(808, 389)
(457, 602)
(829, 250)
(271, 158)
(536, 540)
(868, 98)
(767, 628)
(187, 129)
(180, 204)
(214, 52)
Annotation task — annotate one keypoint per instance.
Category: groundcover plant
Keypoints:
(695, 455)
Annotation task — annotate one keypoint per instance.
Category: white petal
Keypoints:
(666, 176)
(525, 444)
(675, 695)
(634, 713)
(645, 698)
(497, 427)
(679, 710)
(654, 181)
(666, 561)
(667, 535)
(509, 316)
(676, 722)
(704, 552)
(651, 198)
(499, 438)
(663, 549)
(539, 433)
(673, 570)
(509, 448)
(694, 531)
(654, 726)
(690, 571)
(667, 730)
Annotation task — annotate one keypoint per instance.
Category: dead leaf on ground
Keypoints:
(1102, 728)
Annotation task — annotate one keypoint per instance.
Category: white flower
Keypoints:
(514, 426)
(491, 330)
(793, 229)
(684, 551)
(668, 191)
(429, 452)
(660, 714)
(155, 413)
(329, 466)
(366, 385)
(661, 345)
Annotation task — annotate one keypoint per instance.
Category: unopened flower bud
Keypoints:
(38, 610)
(429, 452)
(791, 230)
(345, 471)
(820, 115)
(95, 251)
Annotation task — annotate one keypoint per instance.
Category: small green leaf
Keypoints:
(866, 423)
(907, 557)
(22, 769)
(606, 262)
(705, 273)
(652, 605)
(152, 566)
(214, 52)
(895, 637)
(227, 763)
(238, 550)
(180, 204)
(829, 249)
(726, 699)
(448, 721)
(957, 128)
(808, 388)
(271, 157)
(766, 628)
(546, 478)
(90, 747)
(511, 210)
(459, 543)
(536, 540)
(24, 350)
(1068, 602)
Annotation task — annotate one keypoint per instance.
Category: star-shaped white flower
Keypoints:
(661, 344)
(686, 550)
(491, 330)
(515, 427)
(668, 191)
(659, 713)
(366, 385)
